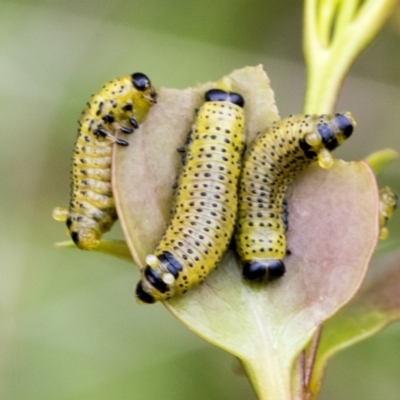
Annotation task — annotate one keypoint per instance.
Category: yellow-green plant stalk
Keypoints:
(380, 159)
(335, 33)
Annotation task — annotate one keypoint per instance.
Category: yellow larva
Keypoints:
(388, 203)
(275, 157)
(120, 105)
(205, 204)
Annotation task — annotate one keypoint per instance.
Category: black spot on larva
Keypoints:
(108, 118)
(172, 263)
(127, 107)
(154, 278)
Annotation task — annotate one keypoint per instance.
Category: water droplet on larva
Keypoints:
(60, 214)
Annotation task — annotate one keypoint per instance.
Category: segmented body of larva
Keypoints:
(275, 157)
(120, 105)
(205, 205)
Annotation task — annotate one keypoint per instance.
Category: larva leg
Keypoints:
(101, 132)
(125, 130)
(285, 214)
(133, 122)
(188, 138)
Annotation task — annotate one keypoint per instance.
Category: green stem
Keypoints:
(335, 33)
(380, 159)
(330, 56)
(326, 13)
(270, 379)
(346, 13)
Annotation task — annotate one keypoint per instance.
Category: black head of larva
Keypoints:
(142, 295)
(221, 95)
(345, 124)
(259, 270)
(328, 136)
(336, 132)
(140, 81)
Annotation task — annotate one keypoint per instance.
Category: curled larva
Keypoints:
(275, 157)
(121, 105)
(206, 201)
(388, 202)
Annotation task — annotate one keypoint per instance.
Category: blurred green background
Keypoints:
(70, 328)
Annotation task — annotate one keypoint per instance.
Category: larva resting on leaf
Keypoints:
(206, 201)
(121, 105)
(275, 157)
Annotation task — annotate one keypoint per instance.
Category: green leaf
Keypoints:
(145, 171)
(333, 232)
(375, 306)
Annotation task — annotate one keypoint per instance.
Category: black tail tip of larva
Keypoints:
(142, 295)
(258, 270)
(254, 271)
(345, 123)
(221, 95)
